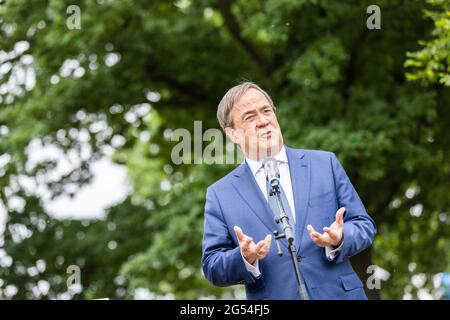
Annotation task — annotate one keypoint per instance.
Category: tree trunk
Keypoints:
(360, 262)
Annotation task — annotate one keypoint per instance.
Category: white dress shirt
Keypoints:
(285, 180)
(285, 177)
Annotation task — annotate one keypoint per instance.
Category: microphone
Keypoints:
(271, 170)
(270, 166)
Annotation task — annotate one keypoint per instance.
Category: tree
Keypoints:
(135, 72)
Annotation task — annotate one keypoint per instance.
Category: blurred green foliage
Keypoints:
(140, 69)
(431, 64)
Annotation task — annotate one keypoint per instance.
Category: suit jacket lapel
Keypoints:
(300, 170)
(247, 187)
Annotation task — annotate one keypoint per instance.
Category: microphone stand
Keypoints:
(289, 235)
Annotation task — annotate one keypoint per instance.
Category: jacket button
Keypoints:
(299, 258)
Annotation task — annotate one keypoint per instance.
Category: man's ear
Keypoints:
(231, 133)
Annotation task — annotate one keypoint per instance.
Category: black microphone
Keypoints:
(271, 170)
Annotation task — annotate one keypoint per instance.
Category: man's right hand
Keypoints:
(251, 251)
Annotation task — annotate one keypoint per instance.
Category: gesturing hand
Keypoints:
(251, 251)
(332, 235)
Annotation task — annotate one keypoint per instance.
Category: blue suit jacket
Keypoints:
(320, 187)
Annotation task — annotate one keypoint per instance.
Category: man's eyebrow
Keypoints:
(246, 113)
(252, 111)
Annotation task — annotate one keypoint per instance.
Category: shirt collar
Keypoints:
(255, 166)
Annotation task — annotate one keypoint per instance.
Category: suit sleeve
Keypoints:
(222, 263)
(359, 228)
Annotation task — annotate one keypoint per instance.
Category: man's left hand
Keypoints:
(333, 235)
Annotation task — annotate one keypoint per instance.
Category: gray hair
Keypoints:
(231, 97)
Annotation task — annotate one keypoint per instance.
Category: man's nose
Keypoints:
(262, 120)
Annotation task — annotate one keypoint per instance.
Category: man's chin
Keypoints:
(271, 148)
(264, 151)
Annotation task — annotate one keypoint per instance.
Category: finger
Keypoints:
(265, 247)
(266, 244)
(268, 240)
(314, 233)
(321, 238)
(340, 216)
(262, 254)
(264, 251)
(310, 229)
(316, 236)
(245, 244)
(260, 245)
(239, 234)
(248, 240)
(331, 233)
(317, 239)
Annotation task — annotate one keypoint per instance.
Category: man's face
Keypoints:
(255, 126)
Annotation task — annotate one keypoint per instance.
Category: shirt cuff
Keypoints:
(252, 268)
(332, 253)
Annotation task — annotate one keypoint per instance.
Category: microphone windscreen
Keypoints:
(270, 168)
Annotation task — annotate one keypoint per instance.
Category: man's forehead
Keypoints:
(250, 99)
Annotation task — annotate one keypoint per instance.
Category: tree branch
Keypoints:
(350, 70)
(235, 29)
(186, 89)
(151, 66)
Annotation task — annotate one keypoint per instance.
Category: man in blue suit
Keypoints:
(318, 194)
